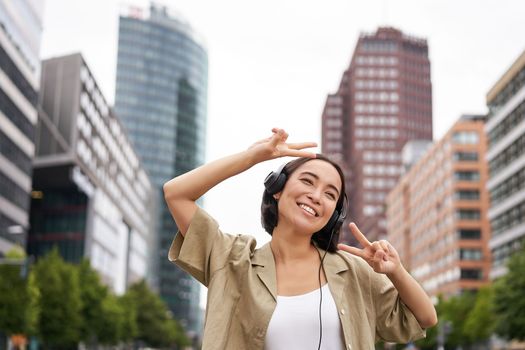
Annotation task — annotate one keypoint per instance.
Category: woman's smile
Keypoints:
(308, 209)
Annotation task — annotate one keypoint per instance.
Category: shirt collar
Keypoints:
(264, 260)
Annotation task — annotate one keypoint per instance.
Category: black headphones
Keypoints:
(274, 183)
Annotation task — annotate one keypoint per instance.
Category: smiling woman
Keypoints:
(301, 290)
(320, 182)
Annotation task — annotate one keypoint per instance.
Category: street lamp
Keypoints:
(444, 329)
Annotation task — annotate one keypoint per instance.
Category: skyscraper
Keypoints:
(437, 212)
(384, 100)
(161, 95)
(506, 156)
(20, 34)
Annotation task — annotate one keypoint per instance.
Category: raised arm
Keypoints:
(383, 258)
(181, 192)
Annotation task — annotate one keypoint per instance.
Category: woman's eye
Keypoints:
(307, 181)
(330, 195)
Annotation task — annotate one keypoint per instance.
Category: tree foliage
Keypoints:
(63, 304)
(18, 296)
(92, 294)
(509, 298)
(481, 320)
(129, 328)
(60, 319)
(467, 319)
(111, 321)
(155, 325)
(455, 310)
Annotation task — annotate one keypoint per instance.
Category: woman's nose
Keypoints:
(315, 195)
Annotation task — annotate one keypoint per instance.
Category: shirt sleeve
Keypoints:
(394, 320)
(205, 249)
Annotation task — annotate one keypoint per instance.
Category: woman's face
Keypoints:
(309, 197)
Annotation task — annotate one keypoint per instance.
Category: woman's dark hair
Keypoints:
(270, 213)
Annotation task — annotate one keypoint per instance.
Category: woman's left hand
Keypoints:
(380, 255)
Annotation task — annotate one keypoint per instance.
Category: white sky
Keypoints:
(272, 63)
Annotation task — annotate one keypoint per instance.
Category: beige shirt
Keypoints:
(242, 291)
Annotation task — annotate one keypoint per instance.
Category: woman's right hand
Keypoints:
(182, 192)
(275, 146)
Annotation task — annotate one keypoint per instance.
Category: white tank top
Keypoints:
(295, 323)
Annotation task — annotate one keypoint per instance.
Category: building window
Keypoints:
(470, 254)
(333, 146)
(334, 123)
(502, 252)
(507, 156)
(466, 156)
(506, 94)
(333, 134)
(471, 274)
(510, 121)
(466, 175)
(469, 195)
(465, 137)
(507, 188)
(469, 233)
(467, 214)
(510, 218)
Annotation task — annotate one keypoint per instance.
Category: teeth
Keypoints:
(308, 209)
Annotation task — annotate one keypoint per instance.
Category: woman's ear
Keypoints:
(277, 196)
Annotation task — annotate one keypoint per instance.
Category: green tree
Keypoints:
(481, 320)
(509, 298)
(155, 326)
(111, 321)
(129, 318)
(176, 334)
(92, 294)
(18, 295)
(455, 311)
(60, 318)
(33, 307)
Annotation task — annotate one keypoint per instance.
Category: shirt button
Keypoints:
(342, 311)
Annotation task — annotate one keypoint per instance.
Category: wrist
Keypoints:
(250, 158)
(397, 273)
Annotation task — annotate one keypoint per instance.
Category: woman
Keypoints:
(270, 298)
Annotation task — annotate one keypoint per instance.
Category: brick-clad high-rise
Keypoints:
(384, 99)
(437, 212)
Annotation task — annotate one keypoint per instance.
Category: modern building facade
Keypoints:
(505, 129)
(161, 96)
(91, 197)
(20, 34)
(437, 212)
(384, 100)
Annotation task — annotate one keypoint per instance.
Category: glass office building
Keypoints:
(161, 95)
(506, 157)
(91, 196)
(20, 34)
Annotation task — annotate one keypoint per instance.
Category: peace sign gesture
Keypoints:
(380, 255)
(276, 146)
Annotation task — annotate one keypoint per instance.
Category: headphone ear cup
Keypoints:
(275, 181)
(336, 221)
(340, 220)
(332, 223)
